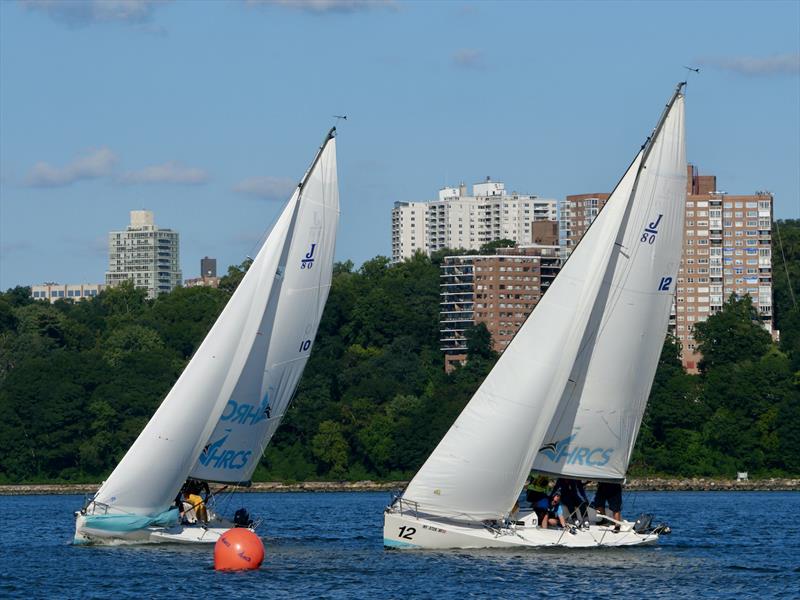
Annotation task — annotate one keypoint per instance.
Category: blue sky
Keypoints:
(208, 112)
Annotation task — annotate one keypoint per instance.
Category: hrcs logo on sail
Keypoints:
(576, 455)
(240, 413)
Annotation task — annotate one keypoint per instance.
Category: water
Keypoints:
(724, 545)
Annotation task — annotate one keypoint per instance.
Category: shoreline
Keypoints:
(650, 484)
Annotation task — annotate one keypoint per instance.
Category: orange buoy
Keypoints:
(238, 549)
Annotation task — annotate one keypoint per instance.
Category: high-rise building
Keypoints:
(577, 213)
(144, 254)
(457, 220)
(727, 249)
(208, 274)
(208, 267)
(499, 290)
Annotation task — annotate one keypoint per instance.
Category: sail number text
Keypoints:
(406, 533)
(651, 231)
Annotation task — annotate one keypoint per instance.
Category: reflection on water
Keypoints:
(329, 545)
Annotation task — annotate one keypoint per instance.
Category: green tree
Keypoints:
(732, 335)
(786, 285)
(229, 282)
(330, 446)
(491, 247)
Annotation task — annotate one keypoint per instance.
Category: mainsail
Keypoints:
(153, 470)
(285, 334)
(479, 467)
(594, 429)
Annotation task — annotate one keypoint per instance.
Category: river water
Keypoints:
(329, 545)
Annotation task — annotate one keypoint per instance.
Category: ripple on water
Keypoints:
(330, 546)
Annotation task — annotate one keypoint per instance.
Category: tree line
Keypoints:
(78, 381)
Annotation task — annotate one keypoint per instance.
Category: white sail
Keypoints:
(285, 334)
(477, 470)
(594, 429)
(479, 467)
(153, 470)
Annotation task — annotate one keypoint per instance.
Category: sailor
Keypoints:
(197, 502)
(574, 497)
(550, 512)
(537, 488)
(611, 494)
(185, 506)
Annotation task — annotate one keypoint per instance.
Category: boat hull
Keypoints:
(178, 534)
(407, 531)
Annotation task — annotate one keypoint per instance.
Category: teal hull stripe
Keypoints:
(395, 544)
(127, 523)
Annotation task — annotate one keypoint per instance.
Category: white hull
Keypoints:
(408, 531)
(179, 534)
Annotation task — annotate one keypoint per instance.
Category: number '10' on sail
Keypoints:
(219, 416)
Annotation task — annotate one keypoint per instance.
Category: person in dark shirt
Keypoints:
(573, 496)
(611, 494)
(550, 512)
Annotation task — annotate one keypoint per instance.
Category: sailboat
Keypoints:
(568, 394)
(219, 416)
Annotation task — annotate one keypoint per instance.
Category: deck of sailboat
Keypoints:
(178, 534)
(406, 531)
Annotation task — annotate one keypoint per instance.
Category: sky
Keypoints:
(208, 113)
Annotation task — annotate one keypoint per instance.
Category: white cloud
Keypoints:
(268, 188)
(169, 172)
(327, 6)
(779, 64)
(78, 13)
(92, 165)
(469, 58)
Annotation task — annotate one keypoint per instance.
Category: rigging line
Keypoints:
(785, 267)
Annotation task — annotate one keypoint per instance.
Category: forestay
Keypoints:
(598, 417)
(285, 333)
(477, 470)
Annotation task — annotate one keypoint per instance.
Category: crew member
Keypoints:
(537, 488)
(550, 512)
(611, 494)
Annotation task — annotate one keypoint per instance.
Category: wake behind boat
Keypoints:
(215, 422)
(568, 394)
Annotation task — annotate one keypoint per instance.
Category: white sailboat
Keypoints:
(219, 416)
(568, 394)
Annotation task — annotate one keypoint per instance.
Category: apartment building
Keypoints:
(144, 254)
(727, 249)
(577, 213)
(499, 290)
(459, 220)
(58, 291)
